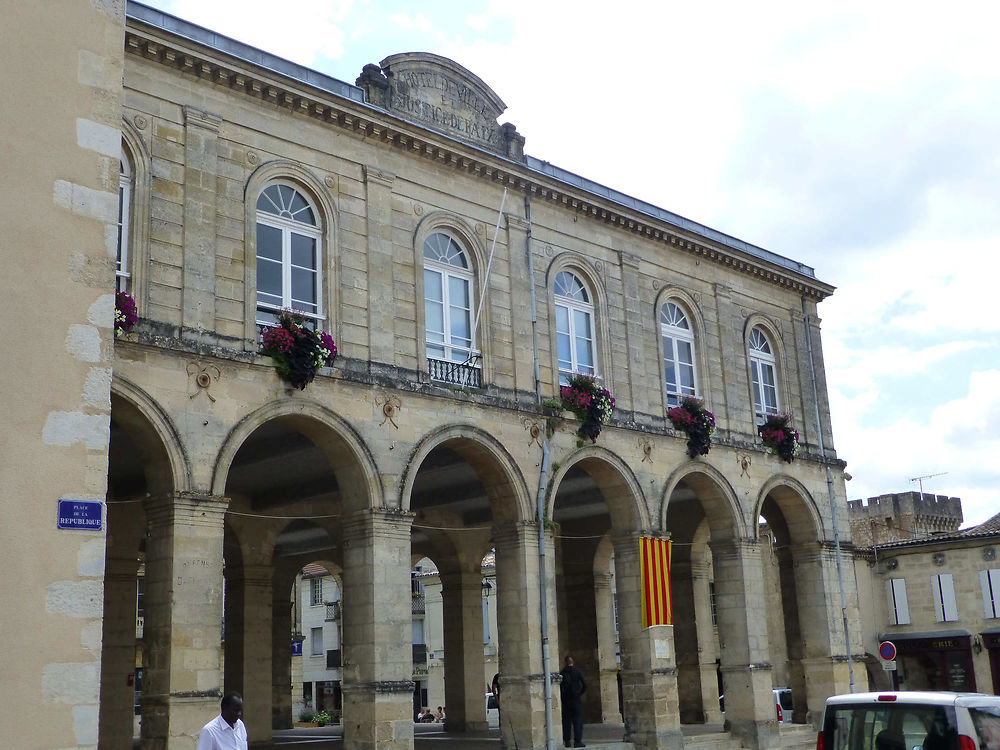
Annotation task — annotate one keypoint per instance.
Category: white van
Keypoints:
(911, 720)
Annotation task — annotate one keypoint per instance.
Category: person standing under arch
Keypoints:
(571, 690)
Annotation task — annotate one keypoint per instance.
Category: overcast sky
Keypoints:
(859, 138)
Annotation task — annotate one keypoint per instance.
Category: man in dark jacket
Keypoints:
(571, 690)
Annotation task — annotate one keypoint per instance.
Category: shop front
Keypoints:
(933, 661)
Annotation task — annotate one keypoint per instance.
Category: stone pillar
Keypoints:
(607, 663)
(378, 631)
(125, 527)
(578, 621)
(735, 410)
(741, 610)
(824, 652)
(183, 606)
(522, 689)
(201, 136)
(637, 339)
(708, 653)
(249, 644)
(381, 300)
(462, 605)
(686, 641)
(281, 660)
(649, 672)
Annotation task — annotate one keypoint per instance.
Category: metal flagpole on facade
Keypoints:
(486, 278)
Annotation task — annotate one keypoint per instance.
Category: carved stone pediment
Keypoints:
(438, 92)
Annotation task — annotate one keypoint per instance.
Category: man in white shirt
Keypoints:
(226, 731)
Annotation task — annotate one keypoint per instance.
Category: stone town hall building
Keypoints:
(229, 184)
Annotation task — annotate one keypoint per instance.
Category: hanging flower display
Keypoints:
(590, 402)
(298, 352)
(691, 417)
(779, 436)
(126, 314)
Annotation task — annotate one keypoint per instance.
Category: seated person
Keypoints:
(890, 739)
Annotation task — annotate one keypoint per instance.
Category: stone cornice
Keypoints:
(217, 68)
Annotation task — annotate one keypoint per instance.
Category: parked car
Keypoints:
(492, 711)
(911, 720)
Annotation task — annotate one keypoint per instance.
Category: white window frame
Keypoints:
(454, 349)
(899, 608)
(943, 592)
(990, 581)
(760, 351)
(123, 272)
(580, 301)
(288, 225)
(315, 592)
(316, 642)
(675, 327)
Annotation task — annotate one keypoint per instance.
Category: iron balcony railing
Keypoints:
(419, 605)
(419, 653)
(332, 611)
(468, 373)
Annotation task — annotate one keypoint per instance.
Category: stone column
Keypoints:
(649, 672)
(201, 136)
(378, 631)
(637, 338)
(183, 606)
(249, 643)
(707, 650)
(686, 641)
(741, 610)
(381, 300)
(607, 663)
(522, 688)
(520, 303)
(824, 652)
(281, 661)
(125, 527)
(462, 605)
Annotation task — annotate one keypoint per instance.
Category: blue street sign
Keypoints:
(296, 648)
(887, 650)
(80, 514)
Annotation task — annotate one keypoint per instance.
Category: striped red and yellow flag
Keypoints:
(654, 559)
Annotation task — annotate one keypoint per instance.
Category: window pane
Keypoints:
(562, 320)
(685, 353)
(581, 324)
(565, 356)
(584, 355)
(303, 251)
(300, 210)
(268, 242)
(269, 278)
(434, 315)
(687, 379)
(432, 286)
(755, 374)
(458, 292)
(304, 290)
(460, 328)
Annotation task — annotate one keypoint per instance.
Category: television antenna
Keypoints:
(920, 481)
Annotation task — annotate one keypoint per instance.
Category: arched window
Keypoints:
(123, 274)
(447, 302)
(289, 254)
(678, 354)
(574, 326)
(763, 374)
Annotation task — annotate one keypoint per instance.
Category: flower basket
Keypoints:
(779, 436)
(692, 418)
(126, 314)
(298, 352)
(590, 402)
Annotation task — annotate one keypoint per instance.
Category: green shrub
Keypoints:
(307, 714)
(322, 718)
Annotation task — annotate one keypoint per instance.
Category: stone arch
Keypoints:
(611, 475)
(285, 170)
(349, 457)
(716, 495)
(798, 507)
(687, 302)
(457, 227)
(497, 469)
(141, 161)
(582, 267)
(154, 435)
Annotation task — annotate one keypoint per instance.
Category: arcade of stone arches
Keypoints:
(292, 482)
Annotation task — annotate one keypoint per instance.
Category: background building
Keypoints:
(217, 184)
(931, 589)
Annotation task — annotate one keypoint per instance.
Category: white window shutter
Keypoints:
(936, 593)
(899, 610)
(949, 605)
(990, 581)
